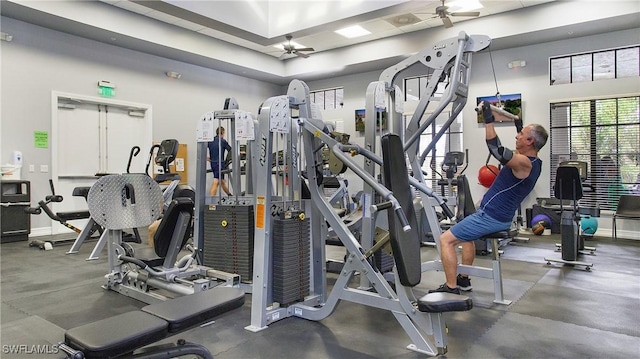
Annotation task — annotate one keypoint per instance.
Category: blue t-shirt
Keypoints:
(214, 150)
(507, 191)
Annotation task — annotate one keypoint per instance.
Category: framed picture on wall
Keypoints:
(381, 120)
(511, 103)
(360, 120)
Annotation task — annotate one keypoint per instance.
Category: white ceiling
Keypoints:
(238, 36)
(265, 23)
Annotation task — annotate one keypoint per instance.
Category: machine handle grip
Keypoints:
(403, 219)
(382, 205)
(447, 211)
(134, 152)
(33, 210)
(135, 261)
(54, 198)
(129, 193)
(53, 190)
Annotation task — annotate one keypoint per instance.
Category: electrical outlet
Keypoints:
(32, 168)
(44, 168)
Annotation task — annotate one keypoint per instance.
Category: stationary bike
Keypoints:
(568, 186)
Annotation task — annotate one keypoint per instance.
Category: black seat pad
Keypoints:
(126, 332)
(149, 257)
(162, 237)
(510, 233)
(116, 335)
(444, 302)
(190, 310)
(67, 216)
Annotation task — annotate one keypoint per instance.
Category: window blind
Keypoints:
(604, 133)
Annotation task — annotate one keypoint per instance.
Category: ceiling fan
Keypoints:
(290, 49)
(443, 13)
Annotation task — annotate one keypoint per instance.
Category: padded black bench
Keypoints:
(123, 334)
(444, 302)
(70, 216)
(406, 245)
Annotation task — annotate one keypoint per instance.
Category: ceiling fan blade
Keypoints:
(305, 49)
(465, 13)
(300, 54)
(447, 22)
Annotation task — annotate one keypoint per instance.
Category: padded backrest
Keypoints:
(405, 245)
(582, 167)
(568, 183)
(166, 236)
(184, 190)
(167, 153)
(628, 205)
(465, 205)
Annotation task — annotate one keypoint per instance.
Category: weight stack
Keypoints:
(291, 255)
(228, 239)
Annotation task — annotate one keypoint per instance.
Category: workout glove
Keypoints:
(486, 113)
(518, 124)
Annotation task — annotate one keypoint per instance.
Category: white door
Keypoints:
(92, 136)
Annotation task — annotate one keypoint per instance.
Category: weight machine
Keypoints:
(162, 154)
(377, 288)
(450, 62)
(146, 274)
(224, 226)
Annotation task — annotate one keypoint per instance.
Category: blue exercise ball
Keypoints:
(589, 225)
(541, 218)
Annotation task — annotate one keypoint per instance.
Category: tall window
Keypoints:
(330, 99)
(604, 133)
(415, 88)
(451, 141)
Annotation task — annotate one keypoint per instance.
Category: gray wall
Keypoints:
(39, 61)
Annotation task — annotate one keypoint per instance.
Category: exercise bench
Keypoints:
(123, 334)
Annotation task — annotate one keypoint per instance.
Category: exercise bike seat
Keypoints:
(81, 191)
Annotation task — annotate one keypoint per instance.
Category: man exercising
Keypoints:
(217, 149)
(520, 171)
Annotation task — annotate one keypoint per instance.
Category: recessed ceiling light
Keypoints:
(352, 31)
(464, 5)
